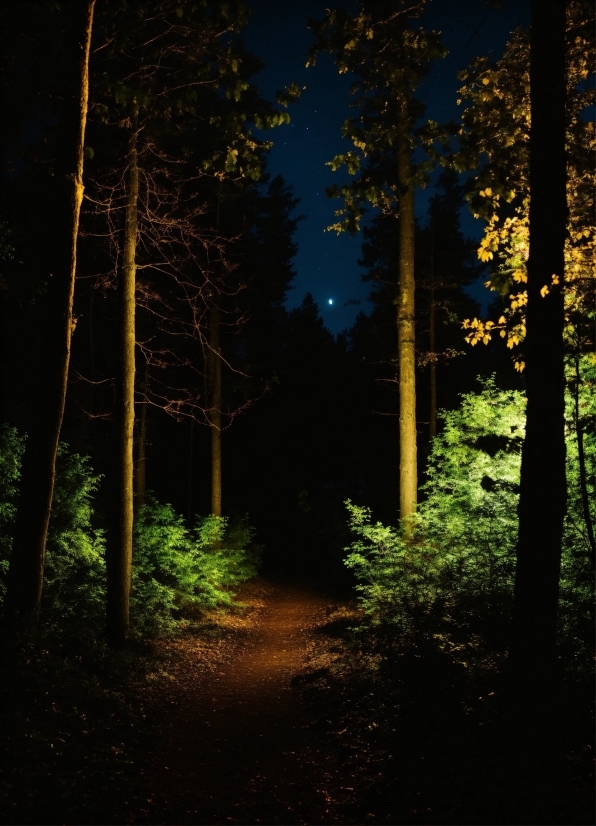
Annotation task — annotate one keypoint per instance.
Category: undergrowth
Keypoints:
(416, 681)
(178, 571)
(449, 584)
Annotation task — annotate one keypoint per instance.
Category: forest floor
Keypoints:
(269, 714)
(212, 726)
(233, 741)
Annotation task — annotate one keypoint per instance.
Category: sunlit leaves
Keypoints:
(351, 160)
(289, 95)
(494, 140)
(231, 160)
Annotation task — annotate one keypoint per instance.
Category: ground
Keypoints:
(269, 714)
(235, 742)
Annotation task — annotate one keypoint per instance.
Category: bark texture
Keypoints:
(408, 478)
(119, 557)
(50, 360)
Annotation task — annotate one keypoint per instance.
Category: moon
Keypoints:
(331, 301)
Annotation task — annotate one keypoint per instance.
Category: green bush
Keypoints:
(177, 571)
(576, 600)
(454, 578)
(74, 588)
(11, 450)
(470, 507)
(74, 573)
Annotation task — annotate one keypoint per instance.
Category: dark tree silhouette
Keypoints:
(49, 356)
(542, 502)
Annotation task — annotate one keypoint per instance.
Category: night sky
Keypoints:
(327, 264)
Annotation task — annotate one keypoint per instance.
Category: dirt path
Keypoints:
(237, 745)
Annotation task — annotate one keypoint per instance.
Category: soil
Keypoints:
(271, 714)
(232, 740)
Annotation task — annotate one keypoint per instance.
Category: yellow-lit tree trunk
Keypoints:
(25, 578)
(119, 557)
(408, 477)
(215, 410)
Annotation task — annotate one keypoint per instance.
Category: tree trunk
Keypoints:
(542, 503)
(215, 410)
(51, 362)
(408, 480)
(120, 558)
(432, 428)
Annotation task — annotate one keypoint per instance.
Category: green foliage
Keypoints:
(454, 579)
(389, 56)
(397, 579)
(576, 601)
(472, 488)
(6, 247)
(74, 585)
(201, 92)
(177, 571)
(74, 575)
(11, 450)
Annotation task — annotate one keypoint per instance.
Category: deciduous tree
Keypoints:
(494, 142)
(389, 58)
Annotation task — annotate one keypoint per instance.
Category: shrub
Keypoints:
(74, 573)
(11, 450)
(454, 578)
(397, 579)
(576, 600)
(470, 506)
(74, 589)
(177, 571)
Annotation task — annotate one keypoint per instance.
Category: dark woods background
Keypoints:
(318, 422)
(309, 418)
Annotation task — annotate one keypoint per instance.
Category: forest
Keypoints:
(254, 567)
